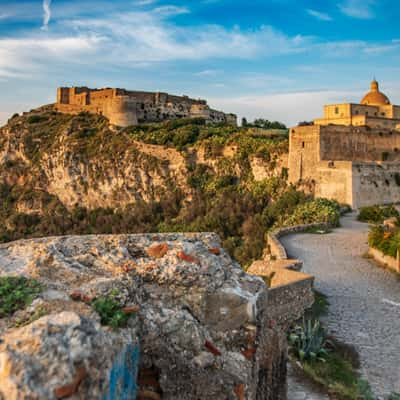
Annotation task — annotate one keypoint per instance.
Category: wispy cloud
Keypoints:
(208, 72)
(361, 9)
(319, 15)
(46, 14)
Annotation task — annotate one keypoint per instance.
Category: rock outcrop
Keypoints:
(197, 326)
(78, 160)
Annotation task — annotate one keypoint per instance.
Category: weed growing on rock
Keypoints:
(110, 312)
(17, 293)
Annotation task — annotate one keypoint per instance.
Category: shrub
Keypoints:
(17, 293)
(385, 241)
(316, 211)
(377, 214)
(34, 119)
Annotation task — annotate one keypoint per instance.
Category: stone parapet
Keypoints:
(275, 250)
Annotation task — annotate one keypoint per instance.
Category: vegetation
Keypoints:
(388, 242)
(316, 211)
(110, 311)
(225, 198)
(308, 341)
(377, 214)
(263, 124)
(17, 293)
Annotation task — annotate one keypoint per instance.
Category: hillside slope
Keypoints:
(64, 174)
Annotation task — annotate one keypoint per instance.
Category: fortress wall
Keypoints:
(303, 152)
(375, 183)
(358, 143)
(334, 180)
(121, 111)
(125, 107)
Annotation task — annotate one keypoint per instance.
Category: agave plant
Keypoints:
(308, 341)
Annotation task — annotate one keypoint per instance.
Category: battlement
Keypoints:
(127, 107)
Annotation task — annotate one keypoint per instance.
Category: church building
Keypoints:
(351, 155)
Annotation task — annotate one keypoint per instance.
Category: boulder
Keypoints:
(168, 316)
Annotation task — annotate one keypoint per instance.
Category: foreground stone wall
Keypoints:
(198, 328)
(287, 302)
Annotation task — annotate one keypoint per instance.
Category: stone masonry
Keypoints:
(126, 107)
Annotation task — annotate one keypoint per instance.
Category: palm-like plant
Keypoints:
(308, 341)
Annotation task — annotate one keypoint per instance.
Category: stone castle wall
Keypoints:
(124, 108)
(358, 166)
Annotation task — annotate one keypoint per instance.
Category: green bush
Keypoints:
(316, 211)
(377, 214)
(385, 241)
(34, 119)
(17, 293)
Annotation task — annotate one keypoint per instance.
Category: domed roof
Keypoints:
(375, 97)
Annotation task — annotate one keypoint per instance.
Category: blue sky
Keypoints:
(276, 59)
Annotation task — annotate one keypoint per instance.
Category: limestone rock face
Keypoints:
(198, 325)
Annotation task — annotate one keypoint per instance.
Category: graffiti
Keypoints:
(123, 375)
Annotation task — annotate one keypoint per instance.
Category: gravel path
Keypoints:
(364, 300)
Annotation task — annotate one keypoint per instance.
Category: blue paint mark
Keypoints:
(123, 375)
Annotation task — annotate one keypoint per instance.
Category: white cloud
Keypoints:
(361, 9)
(319, 15)
(46, 14)
(19, 57)
(289, 108)
(208, 72)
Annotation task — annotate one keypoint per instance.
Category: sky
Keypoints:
(274, 59)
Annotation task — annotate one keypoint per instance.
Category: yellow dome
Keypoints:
(375, 97)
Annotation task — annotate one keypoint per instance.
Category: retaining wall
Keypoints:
(387, 261)
(275, 249)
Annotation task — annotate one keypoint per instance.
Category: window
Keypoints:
(336, 110)
(356, 112)
(366, 112)
(383, 114)
(302, 145)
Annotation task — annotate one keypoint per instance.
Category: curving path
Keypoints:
(364, 300)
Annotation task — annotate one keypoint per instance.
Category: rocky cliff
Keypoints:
(166, 316)
(80, 161)
(70, 174)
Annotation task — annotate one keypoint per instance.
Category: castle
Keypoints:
(125, 107)
(352, 154)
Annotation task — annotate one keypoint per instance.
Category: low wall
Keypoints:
(275, 249)
(287, 303)
(388, 261)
